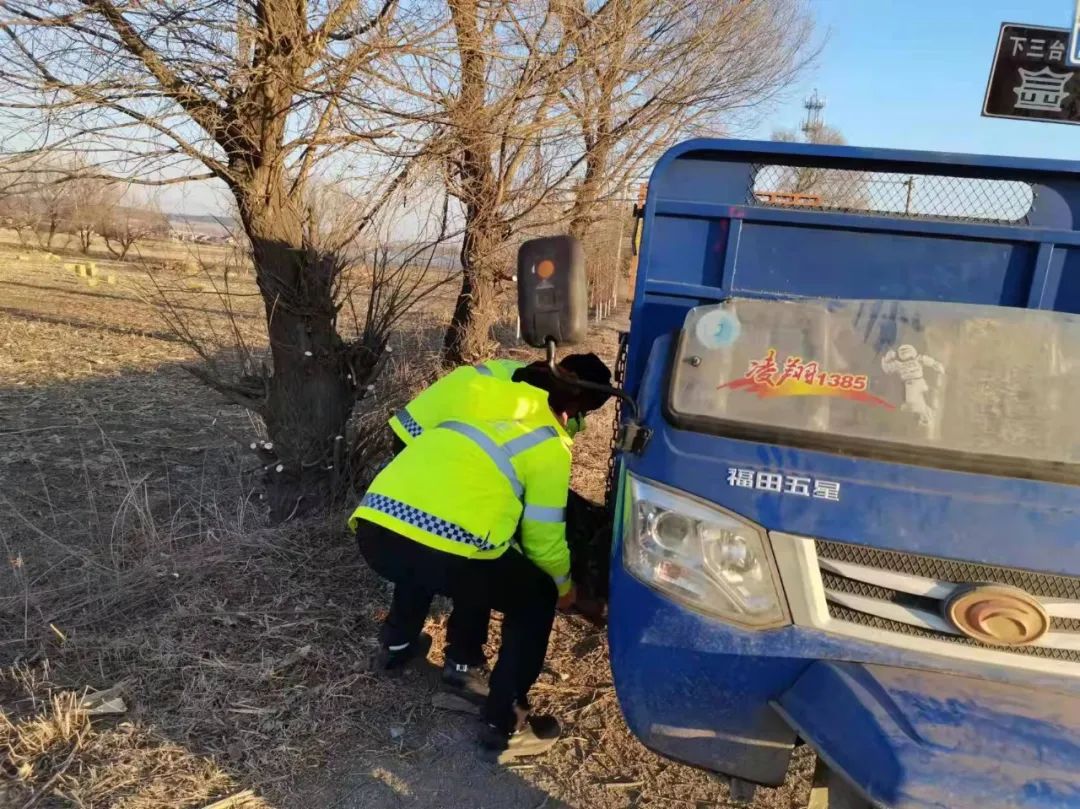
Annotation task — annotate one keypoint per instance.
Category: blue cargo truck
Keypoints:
(847, 485)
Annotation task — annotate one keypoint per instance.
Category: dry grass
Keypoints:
(53, 750)
(241, 649)
(133, 552)
(148, 563)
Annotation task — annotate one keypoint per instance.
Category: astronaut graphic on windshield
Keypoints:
(909, 364)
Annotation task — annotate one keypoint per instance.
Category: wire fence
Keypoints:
(916, 196)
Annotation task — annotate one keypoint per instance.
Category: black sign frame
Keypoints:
(1001, 95)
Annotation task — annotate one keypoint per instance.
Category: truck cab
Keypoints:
(850, 513)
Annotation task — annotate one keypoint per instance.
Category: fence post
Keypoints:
(618, 249)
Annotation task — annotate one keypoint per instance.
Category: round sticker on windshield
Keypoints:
(718, 328)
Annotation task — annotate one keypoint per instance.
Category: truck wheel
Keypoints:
(831, 791)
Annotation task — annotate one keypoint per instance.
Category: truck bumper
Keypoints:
(910, 739)
(698, 691)
(734, 701)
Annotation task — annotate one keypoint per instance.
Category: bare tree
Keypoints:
(491, 83)
(646, 73)
(376, 285)
(15, 210)
(256, 96)
(92, 200)
(123, 225)
(547, 107)
(497, 97)
(38, 202)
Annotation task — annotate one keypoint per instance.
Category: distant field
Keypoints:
(150, 250)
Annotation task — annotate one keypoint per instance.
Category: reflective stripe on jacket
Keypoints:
(467, 485)
(450, 397)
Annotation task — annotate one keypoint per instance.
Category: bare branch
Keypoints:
(197, 106)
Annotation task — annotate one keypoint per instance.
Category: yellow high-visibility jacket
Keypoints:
(451, 396)
(465, 486)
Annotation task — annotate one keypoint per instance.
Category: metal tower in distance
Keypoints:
(815, 118)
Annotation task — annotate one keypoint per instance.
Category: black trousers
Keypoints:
(466, 629)
(511, 584)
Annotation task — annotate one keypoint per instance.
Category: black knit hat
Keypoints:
(590, 368)
(564, 396)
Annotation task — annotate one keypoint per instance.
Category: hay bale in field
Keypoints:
(21, 257)
(80, 270)
(93, 282)
(71, 266)
(91, 270)
(110, 279)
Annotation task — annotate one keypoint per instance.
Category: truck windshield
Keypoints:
(978, 388)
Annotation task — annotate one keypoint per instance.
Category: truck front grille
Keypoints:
(905, 593)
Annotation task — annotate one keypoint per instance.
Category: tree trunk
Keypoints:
(120, 249)
(310, 398)
(588, 193)
(468, 337)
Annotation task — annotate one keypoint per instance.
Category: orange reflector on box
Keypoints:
(546, 268)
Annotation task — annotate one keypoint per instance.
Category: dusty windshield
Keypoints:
(920, 377)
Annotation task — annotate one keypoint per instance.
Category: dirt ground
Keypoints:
(135, 555)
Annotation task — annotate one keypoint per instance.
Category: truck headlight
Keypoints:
(701, 555)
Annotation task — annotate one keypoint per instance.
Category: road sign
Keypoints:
(1073, 59)
(1030, 79)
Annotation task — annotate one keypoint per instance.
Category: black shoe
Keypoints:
(393, 661)
(537, 736)
(467, 682)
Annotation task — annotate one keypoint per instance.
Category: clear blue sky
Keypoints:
(911, 74)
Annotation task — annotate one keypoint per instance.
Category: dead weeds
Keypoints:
(53, 751)
(133, 553)
(243, 650)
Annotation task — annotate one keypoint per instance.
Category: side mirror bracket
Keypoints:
(553, 308)
(632, 436)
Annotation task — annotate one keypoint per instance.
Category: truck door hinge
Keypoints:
(633, 438)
